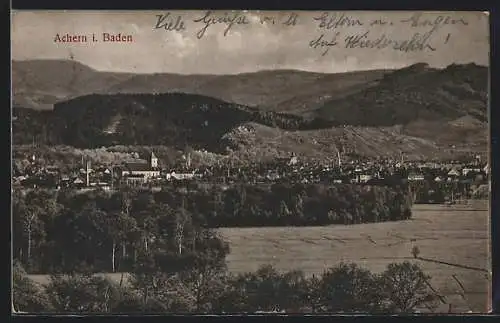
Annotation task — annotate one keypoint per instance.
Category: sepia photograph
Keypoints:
(250, 162)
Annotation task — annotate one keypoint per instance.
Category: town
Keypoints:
(471, 173)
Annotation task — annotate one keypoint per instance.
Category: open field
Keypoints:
(457, 234)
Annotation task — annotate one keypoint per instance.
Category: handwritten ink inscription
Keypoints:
(332, 29)
(417, 20)
(228, 19)
(417, 42)
(321, 42)
(267, 19)
(291, 20)
(169, 23)
(331, 20)
(350, 32)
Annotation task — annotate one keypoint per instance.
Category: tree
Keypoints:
(265, 290)
(83, 293)
(147, 221)
(33, 214)
(145, 277)
(415, 251)
(84, 235)
(203, 278)
(131, 303)
(233, 298)
(183, 279)
(125, 201)
(26, 295)
(298, 210)
(294, 292)
(119, 226)
(348, 288)
(181, 220)
(283, 213)
(27, 226)
(261, 288)
(333, 216)
(405, 287)
(313, 295)
(202, 285)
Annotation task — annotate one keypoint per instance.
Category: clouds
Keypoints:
(258, 44)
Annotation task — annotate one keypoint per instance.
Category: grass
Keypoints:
(450, 239)
(458, 234)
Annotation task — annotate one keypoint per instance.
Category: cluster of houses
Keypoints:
(353, 172)
(107, 177)
(147, 172)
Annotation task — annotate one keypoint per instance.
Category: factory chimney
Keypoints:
(87, 172)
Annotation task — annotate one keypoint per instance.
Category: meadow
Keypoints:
(453, 243)
(457, 235)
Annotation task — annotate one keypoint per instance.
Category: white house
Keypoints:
(180, 176)
(416, 177)
(363, 178)
(293, 161)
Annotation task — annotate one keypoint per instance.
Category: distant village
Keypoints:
(148, 173)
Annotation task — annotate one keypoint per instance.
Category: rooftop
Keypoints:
(139, 167)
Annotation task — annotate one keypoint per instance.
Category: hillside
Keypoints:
(417, 92)
(417, 109)
(365, 98)
(172, 119)
(38, 84)
(257, 142)
(185, 120)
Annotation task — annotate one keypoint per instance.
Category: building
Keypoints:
(145, 170)
(438, 179)
(79, 183)
(294, 160)
(52, 170)
(363, 178)
(180, 176)
(135, 179)
(486, 169)
(416, 177)
(453, 175)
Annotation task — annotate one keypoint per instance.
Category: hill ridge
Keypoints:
(442, 107)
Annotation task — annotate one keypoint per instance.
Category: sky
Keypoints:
(256, 45)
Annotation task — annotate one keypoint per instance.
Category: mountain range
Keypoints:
(417, 109)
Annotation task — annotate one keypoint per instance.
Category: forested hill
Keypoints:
(172, 119)
(417, 109)
(181, 120)
(417, 92)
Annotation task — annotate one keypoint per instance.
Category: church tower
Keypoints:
(153, 161)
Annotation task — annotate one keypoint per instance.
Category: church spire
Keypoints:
(153, 160)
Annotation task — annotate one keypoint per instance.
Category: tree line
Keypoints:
(299, 204)
(345, 288)
(67, 230)
(423, 192)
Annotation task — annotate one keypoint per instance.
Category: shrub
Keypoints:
(83, 293)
